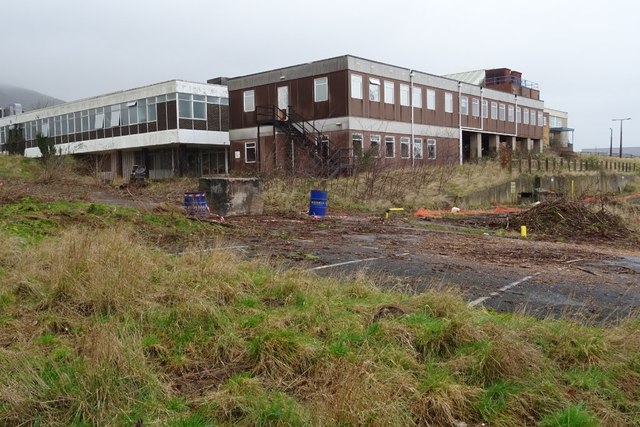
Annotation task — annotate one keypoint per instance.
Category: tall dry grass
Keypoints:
(98, 328)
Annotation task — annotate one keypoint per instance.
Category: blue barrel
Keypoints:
(196, 204)
(318, 203)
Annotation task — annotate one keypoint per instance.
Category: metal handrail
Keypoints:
(511, 79)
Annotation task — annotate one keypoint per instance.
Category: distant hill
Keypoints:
(30, 99)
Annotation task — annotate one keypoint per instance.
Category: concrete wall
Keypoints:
(234, 196)
(508, 193)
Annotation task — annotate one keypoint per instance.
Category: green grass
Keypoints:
(206, 339)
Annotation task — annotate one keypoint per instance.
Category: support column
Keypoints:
(529, 144)
(476, 146)
(494, 144)
(514, 143)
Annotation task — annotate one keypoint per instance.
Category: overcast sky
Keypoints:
(585, 55)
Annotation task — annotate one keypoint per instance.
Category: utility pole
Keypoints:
(621, 120)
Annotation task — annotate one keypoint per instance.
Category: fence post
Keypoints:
(529, 162)
(546, 165)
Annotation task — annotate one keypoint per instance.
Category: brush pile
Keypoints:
(575, 221)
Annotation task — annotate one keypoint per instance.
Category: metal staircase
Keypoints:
(329, 162)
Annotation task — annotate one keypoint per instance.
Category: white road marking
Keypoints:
(343, 263)
(502, 289)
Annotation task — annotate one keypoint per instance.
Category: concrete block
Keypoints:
(234, 196)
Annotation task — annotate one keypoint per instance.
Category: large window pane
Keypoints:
(199, 110)
(185, 109)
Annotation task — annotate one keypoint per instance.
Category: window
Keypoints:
(431, 149)
(375, 145)
(58, 127)
(501, 112)
(151, 110)
(321, 89)
(544, 119)
(431, 99)
(404, 95)
(525, 116)
(448, 102)
(199, 107)
(494, 110)
(374, 90)
(533, 117)
(85, 121)
(540, 118)
(389, 146)
(475, 107)
(142, 111)
(518, 115)
(250, 152)
(464, 105)
(100, 118)
(356, 86)
(485, 109)
(356, 143)
(185, 108)
(115, 115)
(71, 121)
(389, 92)
(133, 114)
(45, 128)
(417, 148)
(510, 113)
(249, 101)
(404, 147)
(416, 97)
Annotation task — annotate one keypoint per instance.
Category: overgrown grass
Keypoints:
(18, 167)
(33, 219)
(98, 328)
(380, 188)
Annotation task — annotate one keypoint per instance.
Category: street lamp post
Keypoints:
(621, 120)
(610, 142)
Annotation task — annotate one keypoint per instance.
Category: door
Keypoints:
(283, 102)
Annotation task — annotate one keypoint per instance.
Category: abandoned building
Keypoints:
(331, 113)
(321, 118)
(174, 128)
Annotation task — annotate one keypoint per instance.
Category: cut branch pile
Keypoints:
(569, 220)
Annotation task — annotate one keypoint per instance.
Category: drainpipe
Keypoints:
(515, 113)
(413, 159)
(460, 120)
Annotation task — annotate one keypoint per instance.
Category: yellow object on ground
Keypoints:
(523, 230)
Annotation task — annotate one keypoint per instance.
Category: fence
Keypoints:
(571, 165)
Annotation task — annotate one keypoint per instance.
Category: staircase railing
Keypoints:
(331, 162)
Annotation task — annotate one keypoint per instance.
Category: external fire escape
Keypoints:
(328, 161)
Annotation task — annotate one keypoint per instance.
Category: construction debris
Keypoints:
(572, 221)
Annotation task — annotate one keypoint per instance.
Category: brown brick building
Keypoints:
(350, 108)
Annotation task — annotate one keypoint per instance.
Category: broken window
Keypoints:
(390, 146)
(374, 89)
(356, 142)
(404, 147)
(417, 148)
(375, 145)
(250, 152)
(431, 149)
